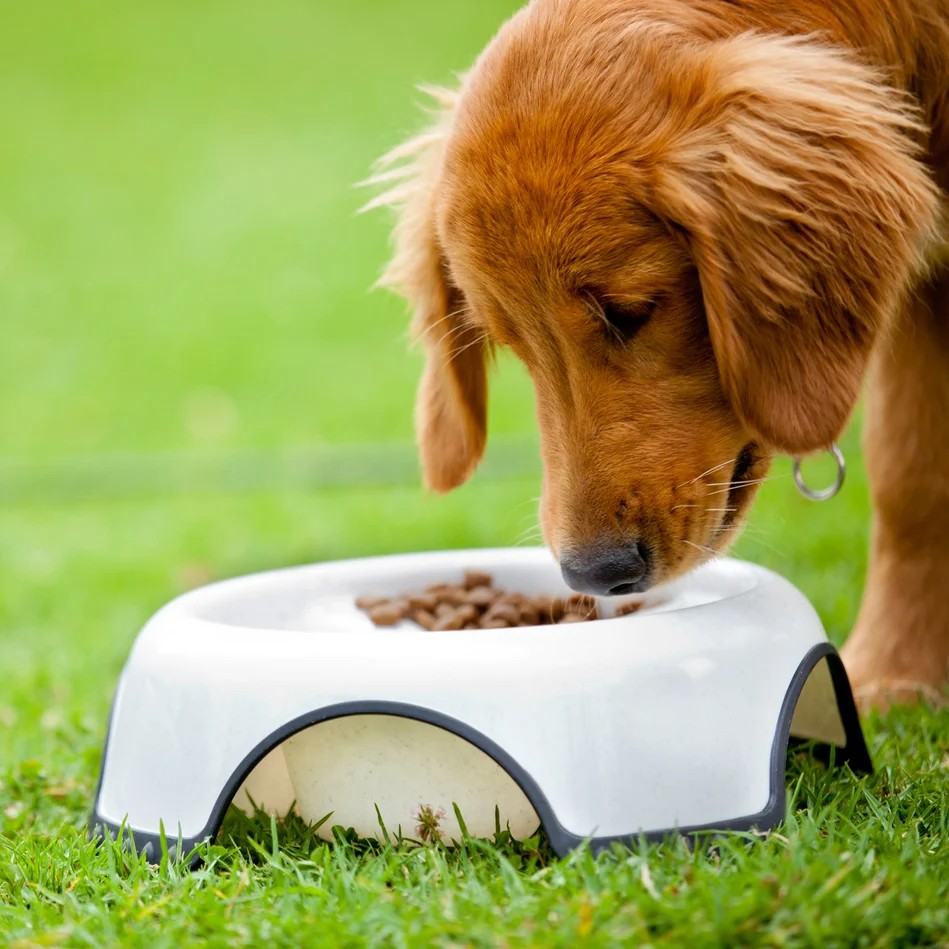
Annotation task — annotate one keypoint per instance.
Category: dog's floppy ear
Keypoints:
(450, 416)
(451, 406)
(795, 177)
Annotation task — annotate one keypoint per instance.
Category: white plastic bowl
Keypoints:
(276, 688)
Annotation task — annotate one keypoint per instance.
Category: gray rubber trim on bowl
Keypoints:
(854, 753)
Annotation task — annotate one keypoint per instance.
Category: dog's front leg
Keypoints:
(899, 649)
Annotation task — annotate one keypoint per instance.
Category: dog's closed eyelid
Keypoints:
(624, 320)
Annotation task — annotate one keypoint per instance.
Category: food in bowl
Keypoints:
(476, 603)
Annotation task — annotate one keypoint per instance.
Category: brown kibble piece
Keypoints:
(482, 596)
(444, 609)
(423, 601)
(386, 614)
(367, 603)
(511, 599)
(551, 608)
(572, 618)
(495, 623)
(504, 611)
(468, 613)
(476, 578)
(455, 596)
(424, 619)
(627, 609)
(449, 621)
(437, 589)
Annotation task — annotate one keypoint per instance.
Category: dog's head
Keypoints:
(692, 245)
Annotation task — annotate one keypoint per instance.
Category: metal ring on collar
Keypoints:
(826, 493)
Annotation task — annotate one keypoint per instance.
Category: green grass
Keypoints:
(187, 326)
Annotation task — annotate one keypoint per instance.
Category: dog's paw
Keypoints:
(882, 694)
(889, 664)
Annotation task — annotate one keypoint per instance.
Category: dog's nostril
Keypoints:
(642, 548)
(607, 570)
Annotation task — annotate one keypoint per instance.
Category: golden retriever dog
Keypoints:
(700, 224)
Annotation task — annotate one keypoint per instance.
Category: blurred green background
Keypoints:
(195, 378)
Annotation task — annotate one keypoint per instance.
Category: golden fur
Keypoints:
(699, 223)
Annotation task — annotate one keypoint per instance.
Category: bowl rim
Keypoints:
(199, 605)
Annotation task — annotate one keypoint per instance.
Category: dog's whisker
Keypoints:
(524, 503)
(724, 464)
(530, 532)
(707, 509)
(755, 530)
(702, 547)
(483, 338)
(596, 308)
(742, 483)
(756, 539)
(729, 485)
(529, 536)
(533, 527)
(480, 337)
(414, 336)
(461, 311)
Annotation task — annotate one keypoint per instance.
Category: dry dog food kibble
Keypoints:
(476, 603)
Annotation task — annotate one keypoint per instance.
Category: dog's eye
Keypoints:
(625, 320)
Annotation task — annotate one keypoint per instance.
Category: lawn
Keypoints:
(196, 382)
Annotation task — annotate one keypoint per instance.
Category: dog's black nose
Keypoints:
(608, 571)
